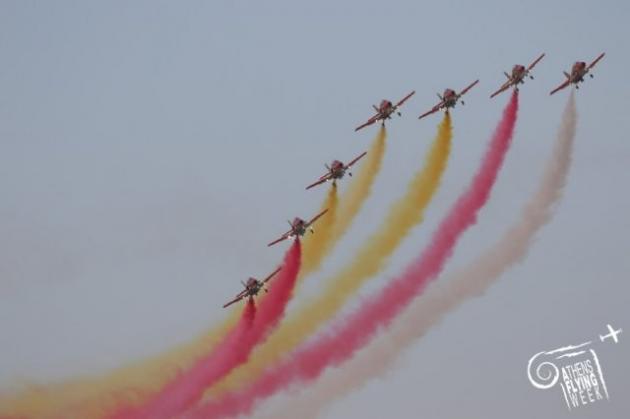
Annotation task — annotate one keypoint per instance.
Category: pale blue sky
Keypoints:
(149, 151)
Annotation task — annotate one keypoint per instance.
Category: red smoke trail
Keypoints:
(254, 326)
(350, 334)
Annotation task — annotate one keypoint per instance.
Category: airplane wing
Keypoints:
(562, 86)
(502, 89)
(403, 100)
(535, 61)
(356, 160)
(470, 86)
(235, 300)
(317, 217)
(591, 65)
(282, 238)
(369, 122)
(321, 180)
(433, 110)
(271, 275)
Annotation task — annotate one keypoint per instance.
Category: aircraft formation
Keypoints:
(448, 99)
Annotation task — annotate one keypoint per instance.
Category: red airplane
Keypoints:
(336, 170)
(448, 99)
(519, 72)
(579, 70)
(298, 228)
(252, 287)
(384, 111)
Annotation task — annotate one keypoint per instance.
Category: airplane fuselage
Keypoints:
(518, 74)
(449, 98)
(299, 227)
(578, 72)
(385, 109)
(253, 286)
(337, 170)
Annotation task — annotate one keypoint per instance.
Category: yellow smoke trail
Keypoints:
(316, 246)
(371, 258)
(335, 223)
(361, 186)
(89, 397)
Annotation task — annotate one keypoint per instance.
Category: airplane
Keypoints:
(336, 170)
(578, 71)
(448, 99)
(613, 334)
(519, 72)
(252, 287)
(384, 111)
(298, 228)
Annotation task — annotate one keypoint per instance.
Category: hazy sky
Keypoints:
(150, 150)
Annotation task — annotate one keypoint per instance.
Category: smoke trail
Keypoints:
(337, 220)
(89, 398)
(91, 395)
(186, 383)
(443, 296)
(352, 332)
(316, 246)
(187, 388)
(371, 258)
(361, 186)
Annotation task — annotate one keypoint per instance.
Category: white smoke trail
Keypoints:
(443, 296)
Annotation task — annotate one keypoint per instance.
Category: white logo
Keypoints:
(577, 368)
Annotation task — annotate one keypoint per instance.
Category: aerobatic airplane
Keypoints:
(519, 72)
(298, 228)
(579, 70)
(336, 170)
(448, 99)
(384, 111)
(252, 287)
